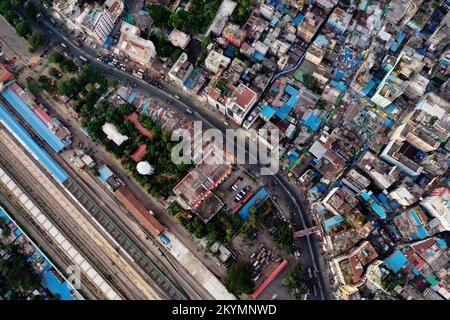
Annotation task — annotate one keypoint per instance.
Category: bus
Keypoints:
(64, 46)
(83, 59)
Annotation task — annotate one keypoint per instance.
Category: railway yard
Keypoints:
(118, 278)
(94, 220)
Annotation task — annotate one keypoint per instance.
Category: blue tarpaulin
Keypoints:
(108, 42)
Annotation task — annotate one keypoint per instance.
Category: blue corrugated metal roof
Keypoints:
(105, 172)
(332, 222)
(259, 197)
(267, 112)
(369, 87)
(43, 156)
(108, 42)
(132, 97)
(415, 217)
(396, 261)
(164, 239)
(394, 47)
(33, 120)
(299, 18)
(290, 90)
(422, 233)
(378, 210)
(52, 283)
(258, 56)
(441, 242)
(401, 37)
(312, 122)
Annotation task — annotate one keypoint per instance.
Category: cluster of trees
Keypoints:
(16, 271)
(283, 234)
(65, 64)
(22, 23)
(250, 227)
(311, 83)
(195, 21)
(34, 87)
(164, 48)
(85, 83)
(45, 83)
(223, 227)
(238, 279)
(160, 15)
(242, 11)
(220, 229)
(295, 282)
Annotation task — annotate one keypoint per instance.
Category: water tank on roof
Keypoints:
(145, 168)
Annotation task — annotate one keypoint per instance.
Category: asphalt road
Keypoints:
(211, 119)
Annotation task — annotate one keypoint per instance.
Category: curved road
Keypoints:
(213, 119)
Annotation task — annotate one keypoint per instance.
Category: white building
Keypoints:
(438, 206)
(131, 44)
(179, 39)
(181, 70)
(216, 62)
(113, 134)
(237, 106)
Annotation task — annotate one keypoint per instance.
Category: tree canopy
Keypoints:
(238, 279)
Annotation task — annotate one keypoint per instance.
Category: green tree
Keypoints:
(250, 227)
(34, 87)
(6, 231)
(23, 28)
(55, 57)
(309, 81)
(160, 15)
(238, 279)
(126, 109)
(174, 208)
(18, 272)
(283, 237)
(5, 7)
(36, 40)
(68, 87)
(30, 9)
(433, 120)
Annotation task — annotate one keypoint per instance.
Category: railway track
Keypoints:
(10, 202)
(114, 270)
(126, 243)
(49, 211)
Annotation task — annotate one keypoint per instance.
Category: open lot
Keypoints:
(238, 178)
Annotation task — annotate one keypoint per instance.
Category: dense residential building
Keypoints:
(133, 45)
(181, 70)
(216, 62)
(99, 21)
